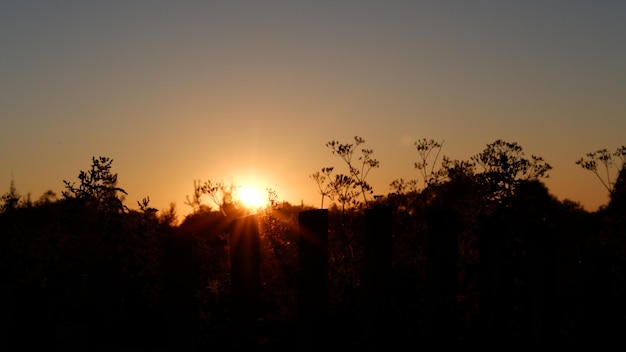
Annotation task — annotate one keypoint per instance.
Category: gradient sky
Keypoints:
(251, 91)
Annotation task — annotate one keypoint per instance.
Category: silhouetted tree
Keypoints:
(408, 190)
(169, 216)
(223, 195)
(618, 194)
(11, 199)
(504, 165)
(195, 201)
(358, 173)
(324, 183)
(606, 159)
(46, 198)
(98, 187)
(424, 149)
(344, 190)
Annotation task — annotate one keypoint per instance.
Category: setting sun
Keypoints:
(251, 196)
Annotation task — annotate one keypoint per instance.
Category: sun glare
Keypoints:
(251, 196)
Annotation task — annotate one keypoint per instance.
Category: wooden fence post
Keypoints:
(313, 280)
(378, 275)
(245, 280)
(494, 252)
(178, 291)
(443, 231)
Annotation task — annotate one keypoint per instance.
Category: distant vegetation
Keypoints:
(87, 257)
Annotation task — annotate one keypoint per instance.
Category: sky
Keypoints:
(250, 92)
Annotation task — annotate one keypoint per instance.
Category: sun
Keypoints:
(251, 196)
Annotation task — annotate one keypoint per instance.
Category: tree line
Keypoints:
(86, 257)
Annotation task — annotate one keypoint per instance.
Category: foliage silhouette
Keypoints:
(343, 184)
(522, 267)
(223, 195)
(617, 199)
(98, 187)
(424, 148)
(324, 183)
(608, 161)
(11, 199)
(195, 201)
(46, 198)
(504, 165)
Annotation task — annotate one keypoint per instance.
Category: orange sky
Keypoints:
(252, 91)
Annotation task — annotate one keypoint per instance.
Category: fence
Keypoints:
(441, 314)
